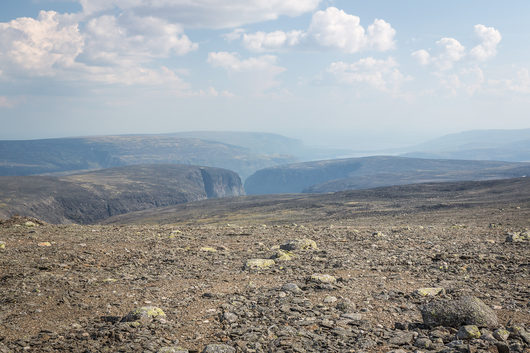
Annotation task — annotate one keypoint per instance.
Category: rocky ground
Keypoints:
(360, 287)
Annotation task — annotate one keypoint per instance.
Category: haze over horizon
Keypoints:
(341, 73)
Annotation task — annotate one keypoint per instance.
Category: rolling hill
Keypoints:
(369, 172)
(94, 196)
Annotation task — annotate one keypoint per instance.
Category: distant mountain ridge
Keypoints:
(94, 196)
(32, 157)
(369, 172)
(500, 145)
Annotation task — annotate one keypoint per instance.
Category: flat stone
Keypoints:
(323, 278)
(172, 350)
(468, 332)
(218, 348)
(291, 287)
(402, 338)
(229, 317)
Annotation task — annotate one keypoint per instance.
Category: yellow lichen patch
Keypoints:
(44, 244)
(208, 249)
(283, 255)
(259, 264)
(430, 292)
(143, 313)
(2, 245)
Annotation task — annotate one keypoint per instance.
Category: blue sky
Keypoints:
(362, 74)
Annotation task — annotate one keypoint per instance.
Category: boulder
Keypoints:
(467, 310)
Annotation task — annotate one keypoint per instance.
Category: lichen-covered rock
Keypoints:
(44, 244)
(299, 244)
(430, 292)
(468, 332)
(518, 237)
(283, 255)
(144, 313)
(501, 334)
(291, 287)
(259, 264)
(30, 224)
(323, 278)
(2, 245)
(467, 310)
(218, 348)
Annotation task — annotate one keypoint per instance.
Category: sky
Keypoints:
(343, 73)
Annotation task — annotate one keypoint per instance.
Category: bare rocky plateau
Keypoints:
(185, 285)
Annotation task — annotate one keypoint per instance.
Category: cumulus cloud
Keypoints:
(110, 49)
(206, 13)
(337, 29)
(257, 74)
(457, 69)
(330, 28)
(450, 51)
(39, 46)
(382, 75)
(490, 38)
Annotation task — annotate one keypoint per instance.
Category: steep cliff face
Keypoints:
(91, 197)
(217, 183)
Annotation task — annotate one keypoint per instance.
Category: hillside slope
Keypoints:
(412, 200)
(369, 172)
(94, 196)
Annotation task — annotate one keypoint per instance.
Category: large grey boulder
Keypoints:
(467, 310)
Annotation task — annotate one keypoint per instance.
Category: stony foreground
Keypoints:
(346, 287)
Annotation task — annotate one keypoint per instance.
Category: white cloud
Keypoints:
(422, 56)
(257, 74)
(337, 29)
(381, 36)
(39, 46)
(261, 41)
(114, 50)
(490, 38)
(126, 38)
(451, 51)
(206, 13)
(331, 28)
(382, 75)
